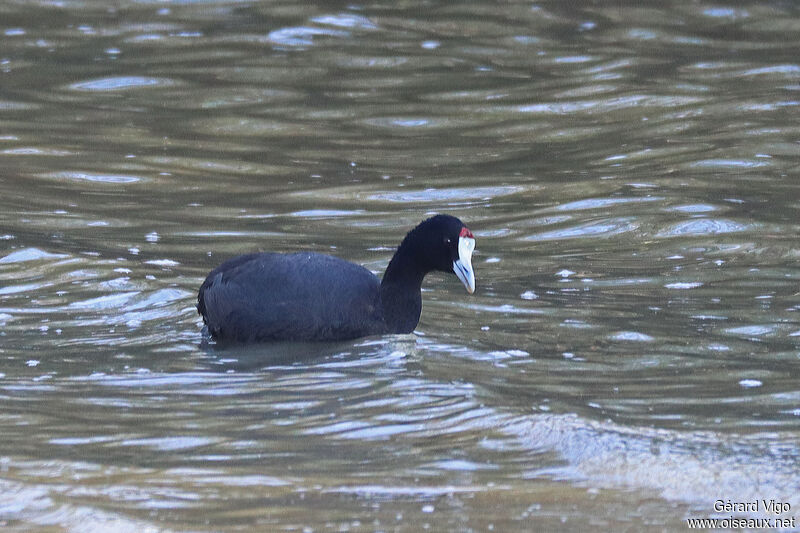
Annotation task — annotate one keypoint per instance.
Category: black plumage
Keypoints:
(309, 296)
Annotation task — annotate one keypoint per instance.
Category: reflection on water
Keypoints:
(631, 355)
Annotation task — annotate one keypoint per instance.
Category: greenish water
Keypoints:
(631, 353)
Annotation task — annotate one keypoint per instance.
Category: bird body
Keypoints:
(309, 296)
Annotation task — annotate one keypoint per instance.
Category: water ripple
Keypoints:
(300, 36)
(602, 228)
(450, 194)
(30, 254)
(345, 20)
(598, 203)
(729, 163)
(704, 226)
(608, 104)
(94, 177)
(121, 83)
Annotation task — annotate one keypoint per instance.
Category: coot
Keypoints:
(314, 297)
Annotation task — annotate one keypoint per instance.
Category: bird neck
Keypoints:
(401, 298)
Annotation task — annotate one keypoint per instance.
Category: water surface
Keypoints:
(631, 353)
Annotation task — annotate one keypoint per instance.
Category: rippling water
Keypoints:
(631, 354)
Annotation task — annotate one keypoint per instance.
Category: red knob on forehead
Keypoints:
(465, 232)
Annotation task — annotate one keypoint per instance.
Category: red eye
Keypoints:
(465, 232)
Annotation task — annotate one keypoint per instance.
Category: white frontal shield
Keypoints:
(463, 265)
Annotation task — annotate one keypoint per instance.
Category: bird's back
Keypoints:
(300, 296)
